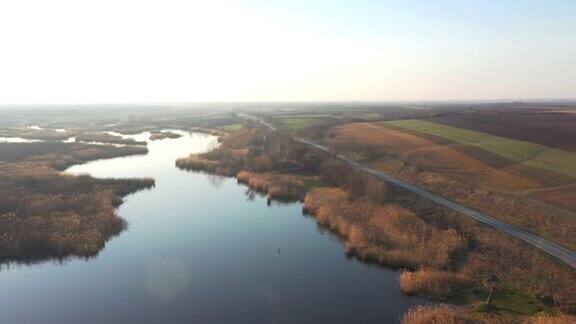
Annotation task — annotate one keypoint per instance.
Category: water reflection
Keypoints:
(217, 181)
(167, 278)
(18, 140)
(203, 249)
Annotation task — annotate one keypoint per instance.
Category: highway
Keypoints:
(561, 253)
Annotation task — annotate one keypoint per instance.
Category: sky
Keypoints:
(175, 51)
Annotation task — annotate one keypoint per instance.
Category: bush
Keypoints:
(277, 186)
(437, 284)
(442, 314)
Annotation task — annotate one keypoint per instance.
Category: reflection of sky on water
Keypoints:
(161, 153)
(197, 250)
(18, 140)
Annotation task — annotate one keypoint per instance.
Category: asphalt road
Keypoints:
(561, 253)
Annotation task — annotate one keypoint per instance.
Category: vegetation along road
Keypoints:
(566, 255)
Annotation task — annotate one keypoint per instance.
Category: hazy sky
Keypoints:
(119, 51)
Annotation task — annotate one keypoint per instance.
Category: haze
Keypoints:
(62, 51)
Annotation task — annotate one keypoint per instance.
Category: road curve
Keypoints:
(561, 253)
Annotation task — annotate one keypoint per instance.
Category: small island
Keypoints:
(163, 135)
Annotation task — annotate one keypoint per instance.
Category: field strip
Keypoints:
(521, 152)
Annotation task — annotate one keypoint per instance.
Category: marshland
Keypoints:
(167, 217)
(180, 244)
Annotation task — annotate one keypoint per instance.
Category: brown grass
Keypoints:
(62, 155)
(199, 163)
(454, 174)
(455, 250)
(435, 283)
(277, 186)
(563, 196)
(45, 214)
(544, 220)
(562, 319)
(518, 265)
(388, 234)
(442, 314)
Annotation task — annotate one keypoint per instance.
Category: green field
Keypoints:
(233, 127)
(302, 120)
(525, 153)
(364, 114)
(296, 123)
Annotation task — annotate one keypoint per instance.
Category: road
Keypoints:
(561, 253)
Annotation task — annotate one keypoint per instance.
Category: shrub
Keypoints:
(441, 314)
(437, 284)
(277, 186)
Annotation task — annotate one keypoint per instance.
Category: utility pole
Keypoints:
(552, 290)
(490, 284)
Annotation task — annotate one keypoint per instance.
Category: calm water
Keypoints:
(197, 250)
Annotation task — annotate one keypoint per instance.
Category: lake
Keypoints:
(201, 248)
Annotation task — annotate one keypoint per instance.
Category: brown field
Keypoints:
(453, 160)
(547, 127)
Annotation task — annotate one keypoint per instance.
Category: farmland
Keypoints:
(373, 141)
(520, 152)
(550, 127)
(293, 123)
(231, 127)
